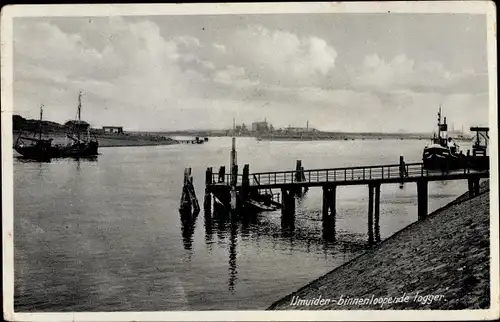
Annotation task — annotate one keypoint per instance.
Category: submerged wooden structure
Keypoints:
(189, 203)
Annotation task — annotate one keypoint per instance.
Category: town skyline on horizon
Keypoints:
(342, 72)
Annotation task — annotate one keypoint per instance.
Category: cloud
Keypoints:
(135, 74)
(219, 48)
(135, 69)
(235, 76)
(275, 56)
(404, 73)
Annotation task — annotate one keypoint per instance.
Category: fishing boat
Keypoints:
(36, 147)
(85, 145)
(443, 153)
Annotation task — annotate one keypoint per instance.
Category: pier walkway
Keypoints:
(391, 173)
(251, 186)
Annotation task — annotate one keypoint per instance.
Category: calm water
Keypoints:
(106, 235)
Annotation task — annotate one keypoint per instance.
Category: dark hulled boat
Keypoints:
(36, 147)
(81, 145)
(443, 153)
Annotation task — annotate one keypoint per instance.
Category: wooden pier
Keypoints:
(293, 184)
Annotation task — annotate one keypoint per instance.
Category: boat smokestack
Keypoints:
(233, 169)
(233, 160)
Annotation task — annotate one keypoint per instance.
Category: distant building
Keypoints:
(300, 129)
(260, 127)
(113, 129)
(75, 124)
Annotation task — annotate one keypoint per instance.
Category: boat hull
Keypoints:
(87, 149)
(41, 150)
(440, 158)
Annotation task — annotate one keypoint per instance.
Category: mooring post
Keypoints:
(188, 199)
(299, 177)
(422, 198)
(402, 170)
(207, 203)
(234, 176)
(370, 214)
(245, 181)
(234, 183)
(377, 212)
(185, 204)
(222, 174)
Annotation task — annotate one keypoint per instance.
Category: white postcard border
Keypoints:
(11, 12)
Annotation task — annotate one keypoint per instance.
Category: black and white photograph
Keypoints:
(272, 161)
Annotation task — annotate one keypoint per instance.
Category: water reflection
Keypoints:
(227, 227)
(23, 159)
(188, 223)
(232, 255)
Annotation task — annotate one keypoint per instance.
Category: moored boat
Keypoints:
(36, 148)
(443, 153)
(81, 145)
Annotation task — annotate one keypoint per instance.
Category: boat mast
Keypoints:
(40, 127)
(79, 114)
(439, 124)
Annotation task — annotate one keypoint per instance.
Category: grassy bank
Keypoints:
(446, 255)
(113, 140)
(131, 141)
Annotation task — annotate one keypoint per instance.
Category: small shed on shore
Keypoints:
(113, 129)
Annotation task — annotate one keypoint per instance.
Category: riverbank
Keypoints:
(445, 255)
(131, 141)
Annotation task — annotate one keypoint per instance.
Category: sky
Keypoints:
(341, 71)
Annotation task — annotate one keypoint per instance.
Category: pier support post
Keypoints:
(422, 199)
(329, 210)
(377, 212)
(370, 214)
(222, 174)
(245, 181)
(287, 202)
(473, 187)
(470, 183)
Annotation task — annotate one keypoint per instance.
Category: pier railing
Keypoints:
(376, 172)
(339, 175)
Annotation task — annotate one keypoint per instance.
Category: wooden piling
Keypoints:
(422, 199)
(403, 173)
(377, 212)
(470, 183)
(222, 174)
(287, 202)
(234, 175)
(329, 211)
(476, 186)
(245, 181)
(370, 214)
(300, 177)
(207, 202)
(189, 202)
